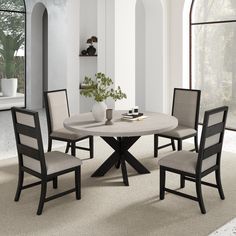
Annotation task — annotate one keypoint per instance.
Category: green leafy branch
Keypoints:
(100, 88)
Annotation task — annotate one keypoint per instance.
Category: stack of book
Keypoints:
(128, 117)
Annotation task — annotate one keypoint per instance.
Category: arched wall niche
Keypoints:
(150, 63)
(39, 35)
(53, 74)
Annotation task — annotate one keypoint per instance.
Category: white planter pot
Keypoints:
(99, 111)
(9, 87)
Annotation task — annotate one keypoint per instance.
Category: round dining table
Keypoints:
(121, 135)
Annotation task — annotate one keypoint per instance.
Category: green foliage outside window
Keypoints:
(12, 39)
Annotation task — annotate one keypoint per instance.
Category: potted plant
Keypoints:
(100, 89)
(91, 50)
(11, 39)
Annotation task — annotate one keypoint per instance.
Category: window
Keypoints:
(213, 54)
(12, 52)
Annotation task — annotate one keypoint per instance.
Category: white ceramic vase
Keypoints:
(99, 111)
(9, 87)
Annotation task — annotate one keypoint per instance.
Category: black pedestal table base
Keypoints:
(120, 156)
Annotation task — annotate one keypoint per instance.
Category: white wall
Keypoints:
(150, 79)
(87, 28)
(58, 50)
(185, 42)
(106, 37)
(175, 37)
(140, 57)
(125, 51)
(73, 50)
(154, 56)
(35, 81)
(115, 24)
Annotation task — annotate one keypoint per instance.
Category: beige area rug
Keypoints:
(108, 208)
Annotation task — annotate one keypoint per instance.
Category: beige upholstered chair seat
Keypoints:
(180, 132)
(55, 162)
(65, 134)
(186, 161)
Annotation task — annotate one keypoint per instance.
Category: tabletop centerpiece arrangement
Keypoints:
(100, 89)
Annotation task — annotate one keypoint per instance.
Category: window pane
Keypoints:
(213, 67)
(15, 5)
(213, 10)
(12, 56)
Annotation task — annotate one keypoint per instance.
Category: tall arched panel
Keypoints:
(150, 84)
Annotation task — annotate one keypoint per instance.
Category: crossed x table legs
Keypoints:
(121, 155)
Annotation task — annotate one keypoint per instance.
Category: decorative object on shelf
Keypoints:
(100, 89)
(84, 52)
(109, 117)
(91, 50)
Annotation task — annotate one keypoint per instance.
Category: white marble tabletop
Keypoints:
(84, 124)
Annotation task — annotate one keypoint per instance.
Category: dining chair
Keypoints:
(57, 110)
(194, 166)
(32, 159)
(185, 108)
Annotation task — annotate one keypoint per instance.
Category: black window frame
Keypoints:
(191, 24)
(25, 19)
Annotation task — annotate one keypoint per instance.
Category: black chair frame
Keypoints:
(203, 154)
(70, 143)
(180, 140)
(38, 155)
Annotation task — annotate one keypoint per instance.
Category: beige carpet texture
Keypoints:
(108, 208)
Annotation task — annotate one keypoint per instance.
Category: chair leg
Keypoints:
(179, 144)
(173, 144)
(67, 147)
(199, 196)
(182, 181)
(162, 183)
(155, 145)
(42, 197)
(73, 149)
(20, 185)
(196, 143)
(49, 144)
(78, 183)
(55, 182)
(91, 147)
(219, 185)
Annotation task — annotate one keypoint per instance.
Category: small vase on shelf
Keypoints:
(91, 50)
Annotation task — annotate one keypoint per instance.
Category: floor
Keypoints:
(7, 147)
(108, 208)
(228, 229)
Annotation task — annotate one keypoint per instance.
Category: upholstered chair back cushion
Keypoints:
(25, 119)
(58, 109)
(28, 120)
(212, 140)
(185, 107)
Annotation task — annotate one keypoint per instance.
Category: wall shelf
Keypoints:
(87, 55)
